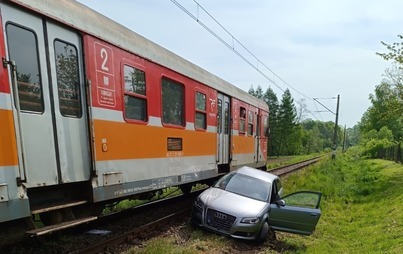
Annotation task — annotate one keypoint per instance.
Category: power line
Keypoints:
(239, 54)
(316, 99)
(222, 40)
(233, 48)
(316, 106)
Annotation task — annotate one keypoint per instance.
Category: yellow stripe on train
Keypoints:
(117, 141)
(8, 150)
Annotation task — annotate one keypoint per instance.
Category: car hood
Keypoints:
(231, 203)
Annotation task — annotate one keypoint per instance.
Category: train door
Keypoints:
(223, 129)
(263, 126)
(258, 137)
(49, 101)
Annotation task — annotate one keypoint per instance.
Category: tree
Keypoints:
(353, 135)
(258, 93)
(384, 101)
(318, 136)
(374, 142)
(251, 91)
(288, 140)
(395, 74)
(302, 110)
(395, 51)
(271, 99)
(311, 139)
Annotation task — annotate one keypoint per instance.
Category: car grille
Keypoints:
(218, 220)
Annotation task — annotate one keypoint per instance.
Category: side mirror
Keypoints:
(280, 202)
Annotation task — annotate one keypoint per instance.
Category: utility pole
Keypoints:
(335, 129)
(335, 124)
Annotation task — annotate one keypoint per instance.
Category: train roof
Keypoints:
(87, 20)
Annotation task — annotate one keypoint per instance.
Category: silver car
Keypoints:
(246, 204)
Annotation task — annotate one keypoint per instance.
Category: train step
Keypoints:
(56, 206)
(64, 225)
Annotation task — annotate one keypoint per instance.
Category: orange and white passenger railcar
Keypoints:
(91, 112)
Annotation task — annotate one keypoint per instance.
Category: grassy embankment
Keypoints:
(362, 212)
(362, 207)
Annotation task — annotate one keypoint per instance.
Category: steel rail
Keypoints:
(135, 233)
(143, 230)
(284, 170)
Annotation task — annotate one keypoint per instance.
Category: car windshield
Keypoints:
(245, 185)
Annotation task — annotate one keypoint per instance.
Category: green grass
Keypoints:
(130, 203)
(362, 212)
(275, 162)
(164, 193)
(361, 206)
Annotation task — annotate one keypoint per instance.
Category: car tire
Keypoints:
(264, 232)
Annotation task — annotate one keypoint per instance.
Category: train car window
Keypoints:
(266, 126)
(173, 102)
(219, 112)
(226, 120)
(135, 94)
(242, 120)
(250, 123)
(68, 79)
(23, 49)
(201, 115)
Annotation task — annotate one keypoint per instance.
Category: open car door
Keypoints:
(296, 213)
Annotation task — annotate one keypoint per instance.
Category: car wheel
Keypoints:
(264, 231)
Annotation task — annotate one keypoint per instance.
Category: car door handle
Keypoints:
(314, 214)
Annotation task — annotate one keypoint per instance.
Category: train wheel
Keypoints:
(51, 218)
(186, 188)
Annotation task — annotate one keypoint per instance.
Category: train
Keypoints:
(92, 113)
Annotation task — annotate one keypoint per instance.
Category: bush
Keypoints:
(374, 147)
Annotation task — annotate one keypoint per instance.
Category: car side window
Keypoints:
(303, 199)
(274, 193)
(279, 187)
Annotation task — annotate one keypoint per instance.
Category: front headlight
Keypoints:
(199, 203)
(250, 220)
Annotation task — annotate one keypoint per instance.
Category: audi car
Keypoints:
(247, 203)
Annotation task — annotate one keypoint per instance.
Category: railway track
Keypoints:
(287, 169)
(150, 218)
(139, 232)
(184, 202)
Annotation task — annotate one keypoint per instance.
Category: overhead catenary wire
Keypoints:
(316, 106)
(225, 43)
(232, 47)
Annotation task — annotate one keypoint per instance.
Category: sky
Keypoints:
(317, 49)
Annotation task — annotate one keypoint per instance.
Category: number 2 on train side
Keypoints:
(104, 56)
